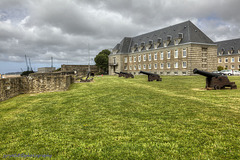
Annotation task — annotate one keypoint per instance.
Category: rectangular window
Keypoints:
(175, 73)
(233, 67)
(168, 65)
(114, 60)
(219, 60)
(135, 67)
(125, 67)
(168, 55)
(226, 60)
(176, 54)
(165, 44)
(162, 56)
(149, 57)
(139, 66)
(144, 57)
(125, 59)
(130, 59)
(144, 66)
(176, 65)
(161, 65)
(155, 56)
(139, 58)
(134, 59)
(184, 54)
(233, 59)
(238, 59)
(184, 73)
(184, 64)
(149, 66)
(155, 66)
(130, 67)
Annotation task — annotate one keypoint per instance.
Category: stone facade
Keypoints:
(174, 60)
(34, 83)
(229, 61)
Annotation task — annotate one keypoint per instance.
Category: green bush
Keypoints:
(26, 73)
(219, 68)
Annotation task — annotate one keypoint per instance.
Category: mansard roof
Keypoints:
(188, 31)
(232, 46)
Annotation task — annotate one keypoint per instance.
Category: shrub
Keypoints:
(219, 68)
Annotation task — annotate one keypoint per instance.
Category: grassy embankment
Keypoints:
(118, 118)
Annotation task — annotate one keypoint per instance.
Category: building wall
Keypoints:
(81, 69)
(46, 69)
(198, 56)
(233, 61)
(34, 83)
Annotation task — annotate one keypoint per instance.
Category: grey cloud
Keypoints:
(63, 29)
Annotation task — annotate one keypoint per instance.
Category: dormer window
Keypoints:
(165, 44)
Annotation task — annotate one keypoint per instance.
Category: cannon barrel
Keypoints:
(206, 74)
(147, 73)
(116, 72)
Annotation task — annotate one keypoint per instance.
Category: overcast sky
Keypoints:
(63, 29)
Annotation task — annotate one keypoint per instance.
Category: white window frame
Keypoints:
(144, 57)
(176, 65)
(139, 66)
(226, 60)
(149, 66)
(219, 60)
(130, 67)
(155, 56)
(155, 66)
(238, 59)
(144, 66)
(149, 57)
(161, 56)
(139, 58)
(130, 59)
(135, 67)
(183, 64)
(233, 59)
(233, 66)
(184, 50)
(165, 44)
(125, 59)
(176, 53)
(162, 65)
(134, 59)
(168, 54)
(168, 65)
(125, 67)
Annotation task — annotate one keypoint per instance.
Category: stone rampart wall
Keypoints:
(34, 83)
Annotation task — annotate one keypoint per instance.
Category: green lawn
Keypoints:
(118, 118)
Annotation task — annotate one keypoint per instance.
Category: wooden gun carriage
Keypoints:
(152, 76)
(215, 81)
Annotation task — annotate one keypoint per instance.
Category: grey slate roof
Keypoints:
(228, 45)
(190, 32)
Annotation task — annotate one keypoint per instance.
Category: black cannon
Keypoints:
(215, 81)
(152, 76)
(127, 75)
(87, 78)
(119, 74)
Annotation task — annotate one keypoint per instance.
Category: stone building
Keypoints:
(46, 69)
(229, 54)
(174, 50)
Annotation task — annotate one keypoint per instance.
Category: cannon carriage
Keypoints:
(127, 75)
(152, 76)
(215, 81)
(88, 79)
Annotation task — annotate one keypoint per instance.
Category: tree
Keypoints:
(101, 60)
(219, 68)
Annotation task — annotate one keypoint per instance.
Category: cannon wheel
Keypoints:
(216, 87)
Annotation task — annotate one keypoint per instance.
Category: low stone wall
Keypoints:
(34, 83)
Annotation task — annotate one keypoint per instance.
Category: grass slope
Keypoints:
(118, 118)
